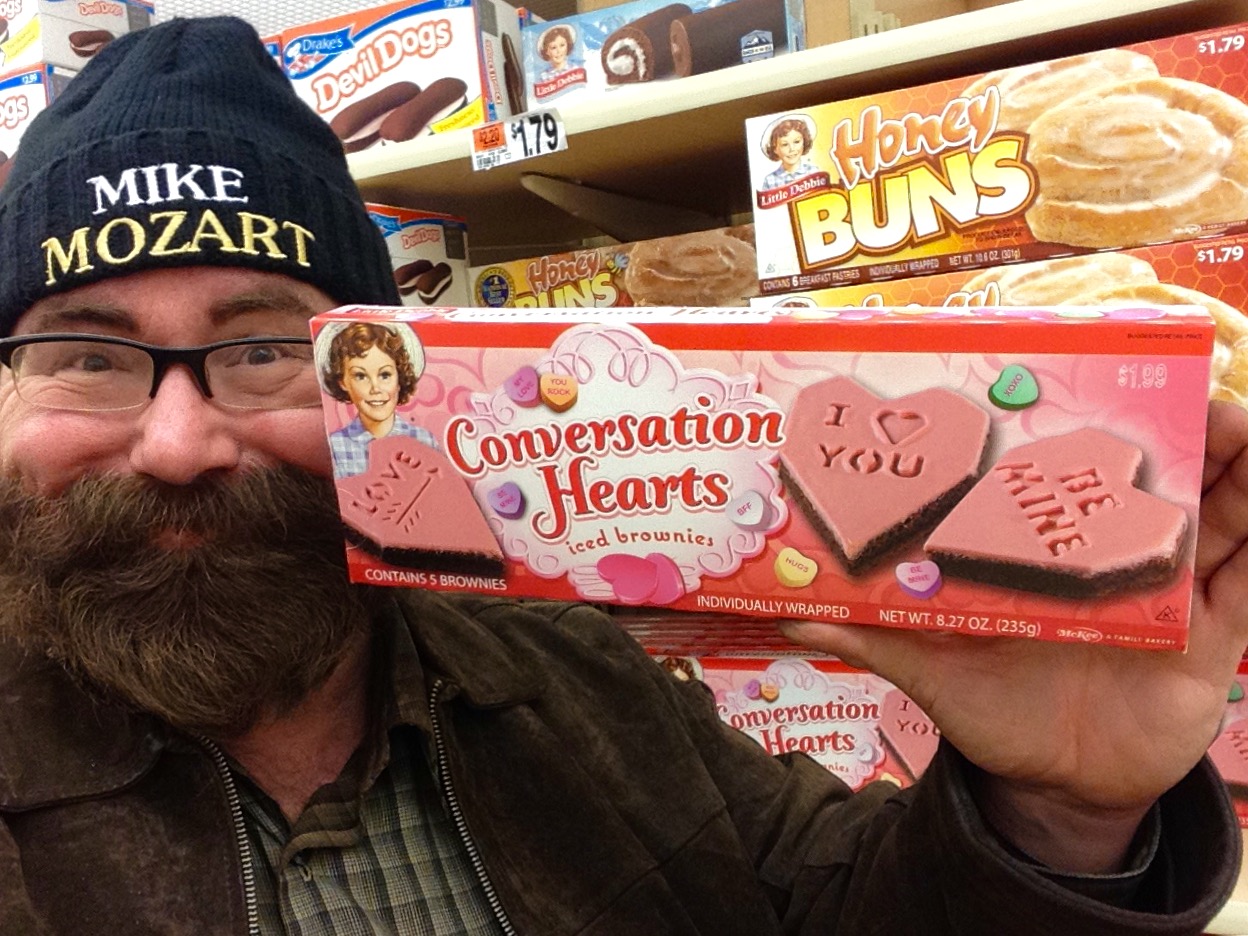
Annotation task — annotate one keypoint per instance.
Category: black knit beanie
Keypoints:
(183, 145)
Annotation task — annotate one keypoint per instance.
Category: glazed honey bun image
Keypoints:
(1060, 281)
(706, 268)
(1139, 162)
(1120, 279)
(1228, 376)
(1027, 91)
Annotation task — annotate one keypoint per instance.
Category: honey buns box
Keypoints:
(1012, 471)
(393, 73)
(1110, 149)
(1210, 273)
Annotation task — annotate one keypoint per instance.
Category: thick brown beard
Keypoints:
(253, 612)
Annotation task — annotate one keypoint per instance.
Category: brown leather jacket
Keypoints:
(603, 797)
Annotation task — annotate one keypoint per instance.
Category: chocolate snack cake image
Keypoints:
(719, 37)
(642, 49)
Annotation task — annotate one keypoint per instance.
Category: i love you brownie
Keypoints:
(869, 473)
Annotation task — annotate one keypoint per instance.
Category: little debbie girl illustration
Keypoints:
(370, 366)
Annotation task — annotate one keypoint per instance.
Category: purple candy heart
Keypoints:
(521, 387)
(507, 500)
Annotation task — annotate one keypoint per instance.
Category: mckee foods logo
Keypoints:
(606, 460)
(913, 179)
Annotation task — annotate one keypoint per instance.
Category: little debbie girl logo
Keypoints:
(606, 460)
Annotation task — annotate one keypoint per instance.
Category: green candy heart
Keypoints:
(1237, 692)
(1015, 389)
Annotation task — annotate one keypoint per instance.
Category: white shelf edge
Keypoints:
(952, 34)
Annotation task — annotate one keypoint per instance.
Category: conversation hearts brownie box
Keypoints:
(1229, 751)
(1109, 149)
(1020, 471)
(853, 723)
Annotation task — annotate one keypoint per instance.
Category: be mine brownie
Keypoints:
(1062, 516)
(411, 508)
(870, 473)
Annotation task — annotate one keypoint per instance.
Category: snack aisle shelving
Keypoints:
(682, 143)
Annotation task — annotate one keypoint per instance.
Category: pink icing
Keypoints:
(1067, 503)
(868, 463)
(1230, 753)
(412, 498)
(910, 734)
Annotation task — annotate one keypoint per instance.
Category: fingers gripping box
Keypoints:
(394, 73)
(1024, 472)
(1110, 149)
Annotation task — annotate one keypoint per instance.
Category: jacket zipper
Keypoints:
(443, 775)
(240, 836)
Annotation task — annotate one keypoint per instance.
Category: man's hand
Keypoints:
(1077, 741)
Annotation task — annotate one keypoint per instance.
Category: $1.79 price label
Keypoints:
(534, 133)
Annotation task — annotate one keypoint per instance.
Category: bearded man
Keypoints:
(205, 730)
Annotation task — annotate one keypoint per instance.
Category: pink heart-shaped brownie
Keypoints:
(869, 473)
(1062, 516)
(411, 508)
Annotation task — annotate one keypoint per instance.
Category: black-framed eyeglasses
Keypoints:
(101, 372)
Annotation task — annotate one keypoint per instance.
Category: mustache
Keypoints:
(101, 519)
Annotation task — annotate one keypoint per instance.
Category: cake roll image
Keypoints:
(642, 50)
(728, 35)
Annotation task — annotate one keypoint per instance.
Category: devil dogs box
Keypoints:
(1018, 471)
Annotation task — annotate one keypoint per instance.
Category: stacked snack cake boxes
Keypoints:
(393, 73)
(853, 723)
(64, 33)
(648, 40)
(714, 267)
(24, 93)
(1105, 150)
(428, 251)
(1014, 471)
(1211, 273)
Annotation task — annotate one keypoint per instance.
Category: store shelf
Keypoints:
(681, 142)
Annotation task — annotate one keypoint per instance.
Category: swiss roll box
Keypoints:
(1029, 472)
(1106, 150)
(392, 73)
(649, 40)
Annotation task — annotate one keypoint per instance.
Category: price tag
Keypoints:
(534, 133)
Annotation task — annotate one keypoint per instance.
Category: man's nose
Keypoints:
(181, 434)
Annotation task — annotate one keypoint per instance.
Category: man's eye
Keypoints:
(260, 354)
(94, 363)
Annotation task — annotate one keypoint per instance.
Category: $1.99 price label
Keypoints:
(534, 133)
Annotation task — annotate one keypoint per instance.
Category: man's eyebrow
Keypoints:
(280, 301)
(77, 317)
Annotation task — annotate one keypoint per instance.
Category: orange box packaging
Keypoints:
(1211, 273)
(702, 268)
(1105, 150)
(1011, 471)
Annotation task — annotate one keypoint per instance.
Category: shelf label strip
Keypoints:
(533, 133)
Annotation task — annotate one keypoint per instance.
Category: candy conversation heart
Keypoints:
(411, 508)
(870, 472)
(1014, 389)
(1062, 516)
